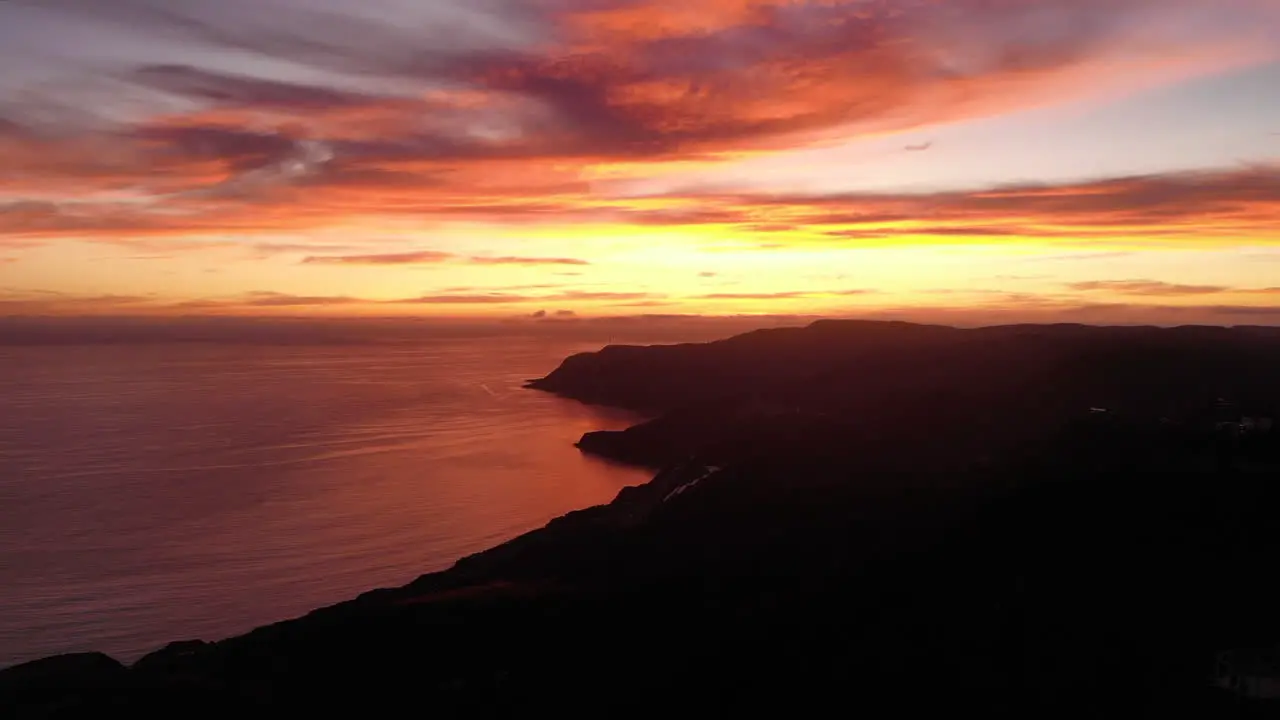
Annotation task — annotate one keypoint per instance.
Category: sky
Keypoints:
(966, 161)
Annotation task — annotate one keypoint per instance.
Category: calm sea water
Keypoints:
(154, 492)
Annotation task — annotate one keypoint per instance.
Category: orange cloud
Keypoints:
(1188, 208)
(784, 295)
(405, 258)
(505, 131)
(266, 299)
(54, 303)
(1157, 288)
(1146, 287)
(428, 257)
(513, 260)
(496, 298)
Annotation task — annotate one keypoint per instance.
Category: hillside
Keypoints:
(878, 392)
(836, 531)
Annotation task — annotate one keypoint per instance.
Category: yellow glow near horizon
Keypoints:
(894, 158)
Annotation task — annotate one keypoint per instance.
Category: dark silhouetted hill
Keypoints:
(873, 519)
(898, 395)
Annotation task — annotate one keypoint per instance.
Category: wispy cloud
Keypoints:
(494, 109)
(783, 295)
(275, 299)
(1183, 207)
(473, 289)
(1270, 312)
(361, 140)
(431, 257)
(1237, 205)
(419, 257)
(465, 299)
(1158, 289)
(266, 249)
(604, 295)
(15, 302)
(977, 232)
(496, 298)
(1146, 287)
(515, 260)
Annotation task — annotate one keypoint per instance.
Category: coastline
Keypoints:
(299, 478)
(792, 545)
(432, 583)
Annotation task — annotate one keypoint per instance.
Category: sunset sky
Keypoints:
(967, 160)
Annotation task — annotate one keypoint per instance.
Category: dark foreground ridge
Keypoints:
(865, 517)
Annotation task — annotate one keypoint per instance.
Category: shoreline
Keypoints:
(447, 584)
(980, 525)
(362, 595)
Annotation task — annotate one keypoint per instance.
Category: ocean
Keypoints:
(157, 491)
